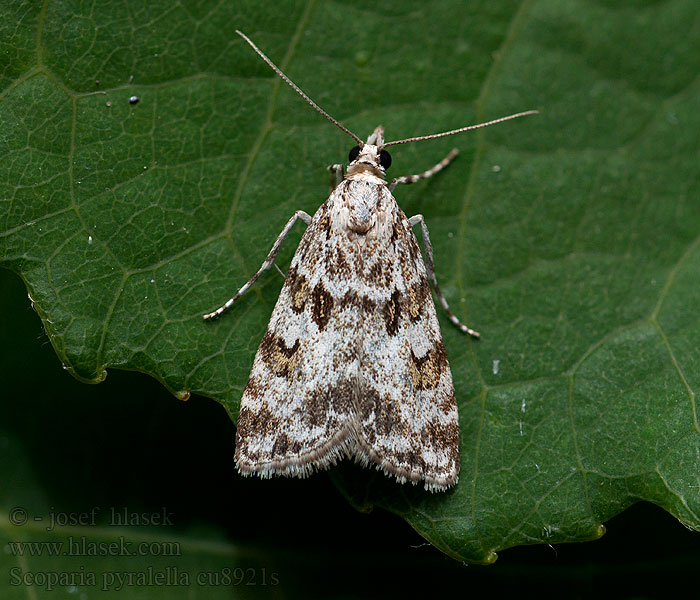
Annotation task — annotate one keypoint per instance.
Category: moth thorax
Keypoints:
(362, 200)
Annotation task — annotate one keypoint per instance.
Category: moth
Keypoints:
(352, 363)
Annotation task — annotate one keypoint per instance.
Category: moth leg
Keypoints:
(425, 174)
(429, 266)
(269, 261)
(339, 171)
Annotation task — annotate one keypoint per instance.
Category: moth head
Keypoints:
(370, 156)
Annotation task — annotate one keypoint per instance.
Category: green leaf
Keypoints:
(569, 240)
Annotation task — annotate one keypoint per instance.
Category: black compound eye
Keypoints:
(384, 159)
(354, 153)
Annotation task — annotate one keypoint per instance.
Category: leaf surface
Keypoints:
(569, 240)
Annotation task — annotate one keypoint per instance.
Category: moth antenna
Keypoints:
(461, 129)
(297, 89)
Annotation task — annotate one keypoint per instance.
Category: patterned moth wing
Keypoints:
(298, 410)
(352, 363)
(408, 414)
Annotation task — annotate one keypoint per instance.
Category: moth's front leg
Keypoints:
(300, 214)
(339, 171)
